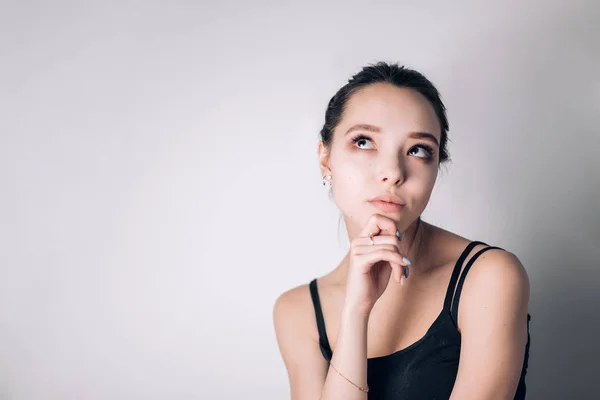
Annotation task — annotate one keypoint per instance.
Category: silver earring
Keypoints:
(327, 180)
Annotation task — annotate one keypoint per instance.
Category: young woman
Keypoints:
(412, 311)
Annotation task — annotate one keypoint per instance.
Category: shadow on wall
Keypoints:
(550, 184)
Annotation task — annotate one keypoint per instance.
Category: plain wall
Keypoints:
(160, 184)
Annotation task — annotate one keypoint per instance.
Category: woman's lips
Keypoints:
(387, 207)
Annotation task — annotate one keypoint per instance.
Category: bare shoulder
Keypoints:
(496, 272)
(496, 291)
(293, 310)
(448, 245)
(297, 339)
(499, 270)
(494, 267)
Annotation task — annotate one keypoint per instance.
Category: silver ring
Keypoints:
(371, 238)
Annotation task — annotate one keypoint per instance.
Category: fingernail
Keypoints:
(398, 234)
(406, 260)
(406, 271)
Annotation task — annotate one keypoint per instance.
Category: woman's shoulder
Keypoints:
(294, 309)
(445, 247)
(495, 280)
(296, 300)
(293, 313)
(496, 269)
(453, 243)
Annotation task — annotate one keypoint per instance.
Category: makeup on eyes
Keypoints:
(428, 149)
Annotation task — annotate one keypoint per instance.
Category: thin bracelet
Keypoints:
(366, 390)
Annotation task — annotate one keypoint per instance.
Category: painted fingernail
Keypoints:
(406, 260)
(406, 271)
(398, 234)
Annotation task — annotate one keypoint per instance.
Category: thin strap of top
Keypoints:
(461, 281)
(456, 273)
(323, 341)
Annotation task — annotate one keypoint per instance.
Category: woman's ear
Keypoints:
(323, 154)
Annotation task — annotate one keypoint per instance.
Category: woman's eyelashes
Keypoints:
(428, 150)
(361, 138)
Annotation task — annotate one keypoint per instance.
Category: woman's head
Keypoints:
(385, 132)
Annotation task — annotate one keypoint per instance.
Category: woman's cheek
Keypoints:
(349, 193)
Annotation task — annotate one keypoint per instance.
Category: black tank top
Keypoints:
(427, 368)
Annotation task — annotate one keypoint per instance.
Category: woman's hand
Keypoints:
(371, 263)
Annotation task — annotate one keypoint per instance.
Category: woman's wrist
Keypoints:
(355, 312)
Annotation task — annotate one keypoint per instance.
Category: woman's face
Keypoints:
(376, 150)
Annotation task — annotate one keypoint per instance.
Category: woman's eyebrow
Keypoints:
(376, 129)
(424, 135)
(363, 127)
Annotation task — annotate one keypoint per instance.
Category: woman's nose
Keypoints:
(393, 174)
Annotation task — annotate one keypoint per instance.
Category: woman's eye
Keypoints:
(422, 151)
(361, 140)
(426, 151)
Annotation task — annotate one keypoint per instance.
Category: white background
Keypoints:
(160, 188)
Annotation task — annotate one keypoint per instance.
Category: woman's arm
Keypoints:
(373, 256)
(310, 377)
(350, 358)
(492, 319)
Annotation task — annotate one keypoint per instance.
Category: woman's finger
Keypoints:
(371, 258)
(382, 239)
(364, 249)
(379, 224)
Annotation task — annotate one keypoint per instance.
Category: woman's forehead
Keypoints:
(389, 106)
